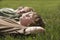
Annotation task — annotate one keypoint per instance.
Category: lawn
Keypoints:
(49, 11)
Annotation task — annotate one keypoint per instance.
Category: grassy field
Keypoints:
(48, 9)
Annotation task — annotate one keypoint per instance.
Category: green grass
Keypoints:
(48, 9)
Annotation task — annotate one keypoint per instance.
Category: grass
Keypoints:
(48, 9)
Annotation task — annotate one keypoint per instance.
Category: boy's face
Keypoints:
(27, 18)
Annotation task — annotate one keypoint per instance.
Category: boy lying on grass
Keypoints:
(24, 20)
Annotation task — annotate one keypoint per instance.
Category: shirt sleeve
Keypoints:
(10, 26)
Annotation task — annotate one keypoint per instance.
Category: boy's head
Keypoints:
(22, 10)
(31, 19)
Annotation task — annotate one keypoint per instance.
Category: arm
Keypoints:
(9, 28)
